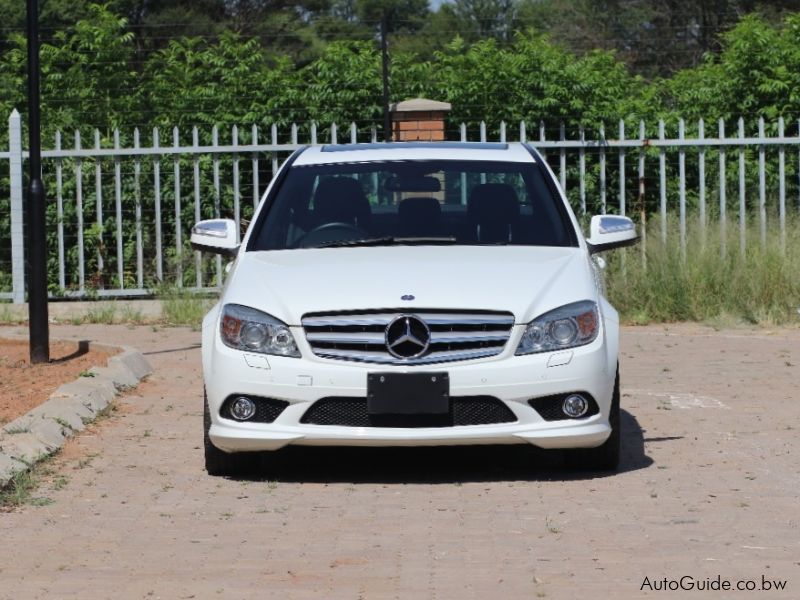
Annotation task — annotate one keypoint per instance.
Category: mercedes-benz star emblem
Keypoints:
(407, 337)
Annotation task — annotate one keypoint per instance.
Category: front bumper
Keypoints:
(512, 379)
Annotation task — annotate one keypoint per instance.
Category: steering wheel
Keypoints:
(330, 232)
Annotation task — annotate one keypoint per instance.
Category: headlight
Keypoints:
(251, 330)
(566, 327)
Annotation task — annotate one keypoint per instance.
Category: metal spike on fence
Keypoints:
(236, 207)
(274, 139)
(682, 185)
(118, 209)
(782, 185)
(60, 212)
(138, 212)
(742, 192)
(701, 173)
(98, 192)
(723, 201)
(762, 184)
(602, 133)
(582, 168)
(662, 181)
(562, 159)
(642, 207)
(79, 212)
(622, 173)
(217, 197)
(254, 159)
(176, 166)
(198, 264)
(542, 139)
(157, 205)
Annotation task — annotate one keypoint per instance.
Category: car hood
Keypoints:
(524, 280)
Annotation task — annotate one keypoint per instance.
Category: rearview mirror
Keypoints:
(411, 183)
(218, 236)
(611, 231)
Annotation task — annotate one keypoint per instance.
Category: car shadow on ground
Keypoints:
(438, 465)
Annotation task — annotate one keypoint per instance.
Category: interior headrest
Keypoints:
(496, 202)
(423, 209)
(341, 199)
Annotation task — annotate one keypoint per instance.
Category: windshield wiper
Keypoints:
(389, 241)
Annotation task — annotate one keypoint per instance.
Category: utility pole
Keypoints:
(387, 123)
(38, 328)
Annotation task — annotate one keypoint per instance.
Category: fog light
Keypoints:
(243, 408)
(575, 406)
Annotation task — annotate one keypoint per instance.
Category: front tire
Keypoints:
(217, 461)
(606, 456)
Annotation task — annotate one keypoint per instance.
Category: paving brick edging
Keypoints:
(42, 431)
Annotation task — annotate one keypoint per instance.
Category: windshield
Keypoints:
(413, 202)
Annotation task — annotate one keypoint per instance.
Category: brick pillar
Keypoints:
(419, 120)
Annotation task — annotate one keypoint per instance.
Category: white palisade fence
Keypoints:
(121, 204)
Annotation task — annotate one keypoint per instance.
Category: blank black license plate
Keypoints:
(408, 393)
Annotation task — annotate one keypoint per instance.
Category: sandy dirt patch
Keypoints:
(24, 386)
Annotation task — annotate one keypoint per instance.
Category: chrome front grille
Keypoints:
(453, 335)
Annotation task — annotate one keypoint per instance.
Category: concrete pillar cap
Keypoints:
(419, 105)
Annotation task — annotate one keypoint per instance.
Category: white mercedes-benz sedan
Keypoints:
(412, 294)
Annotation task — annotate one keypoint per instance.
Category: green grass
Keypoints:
(11, 315)
(20, 489)
(760, 286)
(103, 312)
(179, 307)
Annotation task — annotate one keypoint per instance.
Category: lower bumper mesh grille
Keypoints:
(464, 410)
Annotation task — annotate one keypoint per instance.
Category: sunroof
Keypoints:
(405, 145)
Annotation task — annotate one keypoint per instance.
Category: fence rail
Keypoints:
(121, 206)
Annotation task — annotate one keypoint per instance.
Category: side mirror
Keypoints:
(611, 231)
(218, 236)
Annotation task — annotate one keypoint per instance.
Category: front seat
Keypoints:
(494, 212)
(341, 200)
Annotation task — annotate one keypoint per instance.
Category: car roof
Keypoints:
(393, 151)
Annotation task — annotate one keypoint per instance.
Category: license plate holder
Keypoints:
(408, 393)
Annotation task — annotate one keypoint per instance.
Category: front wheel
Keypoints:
(606, 456)
(217, 461)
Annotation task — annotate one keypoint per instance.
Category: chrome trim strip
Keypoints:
(463, 337)
(347, 337)
(437, 337)
(384, 319)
